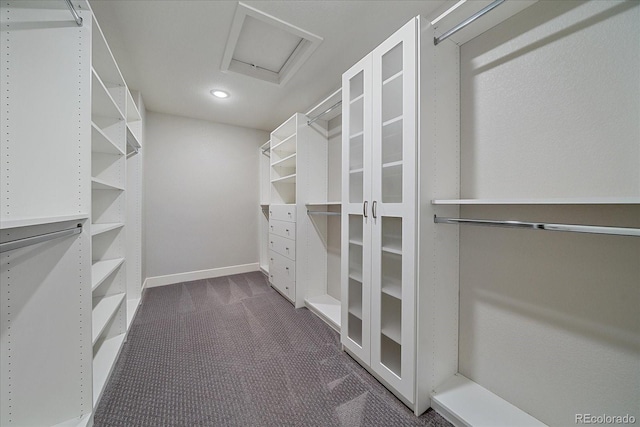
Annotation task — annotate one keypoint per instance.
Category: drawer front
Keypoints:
(283, 246)
(283, 212)
(283, 284)
(283, 265)
(282, 228)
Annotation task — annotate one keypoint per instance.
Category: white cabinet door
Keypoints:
(356, 203)
(393, 214)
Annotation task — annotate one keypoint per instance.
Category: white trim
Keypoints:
(152, 282)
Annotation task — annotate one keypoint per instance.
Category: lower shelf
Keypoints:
(327, 308)
(103, 363)
(465, 403)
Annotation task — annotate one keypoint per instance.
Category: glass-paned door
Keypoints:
(356, 191)
(393, 188)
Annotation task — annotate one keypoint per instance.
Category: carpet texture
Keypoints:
(231, 351)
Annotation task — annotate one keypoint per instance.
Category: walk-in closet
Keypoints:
(355, 213)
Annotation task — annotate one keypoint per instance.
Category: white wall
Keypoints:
(549, 108)
(201, 184)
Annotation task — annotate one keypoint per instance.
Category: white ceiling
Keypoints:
(171, 51)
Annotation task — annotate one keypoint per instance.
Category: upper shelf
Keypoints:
(102, 59)
(550, 201)
(28, 222)
(103, 104)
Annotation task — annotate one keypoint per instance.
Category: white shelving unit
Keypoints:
(45, 349)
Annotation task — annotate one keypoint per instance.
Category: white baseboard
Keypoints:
(152, 282)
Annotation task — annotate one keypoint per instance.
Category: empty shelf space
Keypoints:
(103, 362)
(100, 270)
(392, 331)
(356, 310)
(133, 114)
(132, 139)
(99, 184)
(102, 103)
(464, 402)
(392, 286)
(327, 308)
(103, 228)
(286, 145)
(356, 241)
(289, 179)
(103, 311)
(101, 143)
(287, 162)
(550, 201)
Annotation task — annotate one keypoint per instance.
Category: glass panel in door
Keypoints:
(356, 138)
(355, 281)
(392, 123)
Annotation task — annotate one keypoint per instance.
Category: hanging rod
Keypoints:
(328, 110)
(28, 241)
(593, 229)
(76, 17)
(467, 21)
(322, 213)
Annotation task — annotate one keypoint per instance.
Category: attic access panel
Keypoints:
(266, 48)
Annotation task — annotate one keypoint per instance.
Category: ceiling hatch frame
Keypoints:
(308, 44)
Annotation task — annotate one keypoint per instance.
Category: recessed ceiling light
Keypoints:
(219, 93)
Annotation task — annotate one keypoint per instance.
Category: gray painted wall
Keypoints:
(201, 194)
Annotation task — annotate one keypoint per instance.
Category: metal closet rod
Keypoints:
(593, 229)
(467, 21)
(76, 17)
(328, 110)
(28, 241)
(322, 213)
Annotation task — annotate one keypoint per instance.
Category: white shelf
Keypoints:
(392, 248)
(356, 311)
(289, 179)
(356, 135)
(103, 228)
(392, 78)
(356, 99)
(392, 121)
(100, 270)
(392, 164)
(133, 115)
(99, 184)
(355, 275)
(324, 204)
(287, 162)
(286, 145)
(463, 402)
(101, 143)
(265, 146)
(558, 201)
(103, 363)
(132, 308)
(359, 170)
(327, 308)
(355, 242)
(102, 313)
(28, 222)
(393, 333)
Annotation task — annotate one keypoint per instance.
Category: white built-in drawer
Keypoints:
(282, 245)
(282, 283)
(282, 264)
(282, 212)
(282, 228)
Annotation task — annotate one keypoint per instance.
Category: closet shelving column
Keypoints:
(263, 216)
(108, 206)
(282, 215)
(133, 205)
(322, 295)
(45, 350)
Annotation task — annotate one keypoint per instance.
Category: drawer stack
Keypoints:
(282, 249)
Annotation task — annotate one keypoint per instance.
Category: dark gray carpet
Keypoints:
(232, 352)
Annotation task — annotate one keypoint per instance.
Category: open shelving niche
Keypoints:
(263, 214)
(323, 295)
(458, 398)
